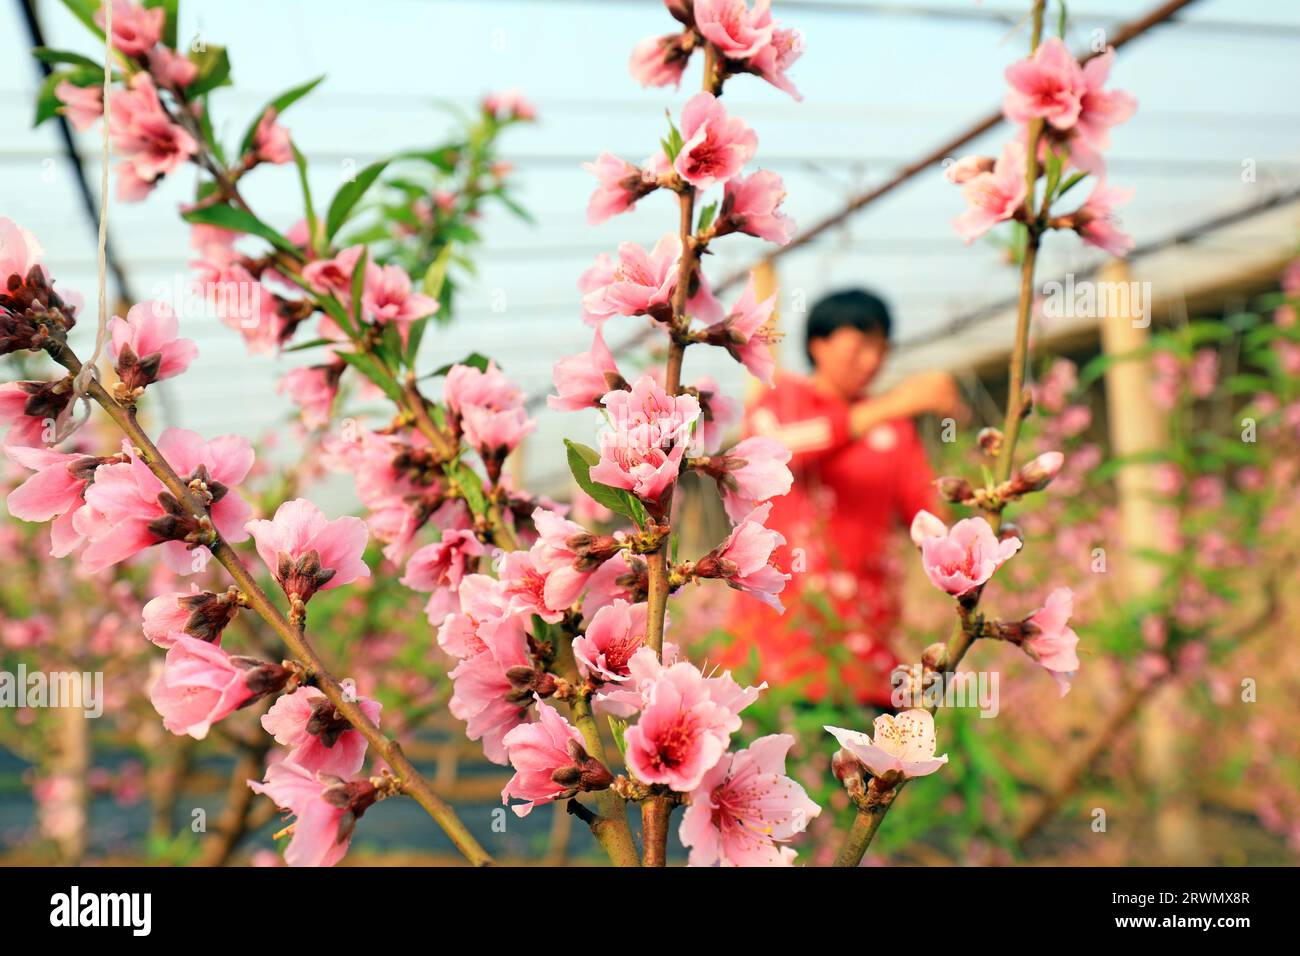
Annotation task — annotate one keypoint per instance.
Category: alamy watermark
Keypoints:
(1095, 299)
(70, 689)
(915, 688)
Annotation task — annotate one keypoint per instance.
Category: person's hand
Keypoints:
(930, 393)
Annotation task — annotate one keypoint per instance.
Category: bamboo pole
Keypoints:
(1138, 426)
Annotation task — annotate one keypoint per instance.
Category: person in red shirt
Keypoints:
(860, 474)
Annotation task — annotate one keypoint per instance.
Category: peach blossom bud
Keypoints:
(955, 489)
(990, 441)
(1038, 474)
(847, 768)
(933, 656)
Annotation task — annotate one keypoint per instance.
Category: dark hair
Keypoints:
(857, 308)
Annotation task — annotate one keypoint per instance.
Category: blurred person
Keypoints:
(860, 475)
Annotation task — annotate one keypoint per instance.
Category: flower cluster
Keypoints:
(742, 40)
(1066, 104)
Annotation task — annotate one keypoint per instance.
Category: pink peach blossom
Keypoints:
(55, 491)
(643, 451)
(523, 579)
(1203, 373)
(388, 298)
(925, 525)
(555, 555)
(1096, 223)
(745, 807)
(659, 61)
(746, 332)
(640, 283)
(483, 694)
(715, 145)
(904, 744)
(751, 204)
(481, 607)
(736, 31)
(335, 275)
(1053, 642)
(493, 432)
(82, 105)
(620, 185)
(33, 411)
(682, 731)
(144, 346)
(313, 390)
(967, 168)
(322, 827)
(466, 386)
(200, 684)
(124, 515)
(142, 132)
(613, 580)
(542, 754)
(171, 69)
(1048, 85)
(995, 196)
(20, 250)
(319, 738)
(136, 29)
(612, 635)
(1100, 109)
(966, 557)
(582, 380)
(439, 568)
(306, 552)
(271, 143)
(775, 59)
(509, 105)
(752, 472)
(131, 186)
(195, 613)
(744, 560)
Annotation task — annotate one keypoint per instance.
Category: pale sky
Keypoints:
(881, 87)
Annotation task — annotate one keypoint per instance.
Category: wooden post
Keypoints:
(1137, 425)
(766, 283)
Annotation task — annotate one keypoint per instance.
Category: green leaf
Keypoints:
(172, 10)
(581, 458)
(214, 70)
(279, 104)
(436, 274)
(474, 359)
(240, 220)
(618, 728)
(47, 55)
(359, 285)
(313, 225)
(469, 484)
(209, 134)
(443, 158)
(1070, 184)
(673, 143)
(1055, 164)
(368, 366)
(314, 343)
(706, 216)
(349, 195)
(47, 104)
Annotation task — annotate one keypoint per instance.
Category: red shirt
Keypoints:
(850, 497)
